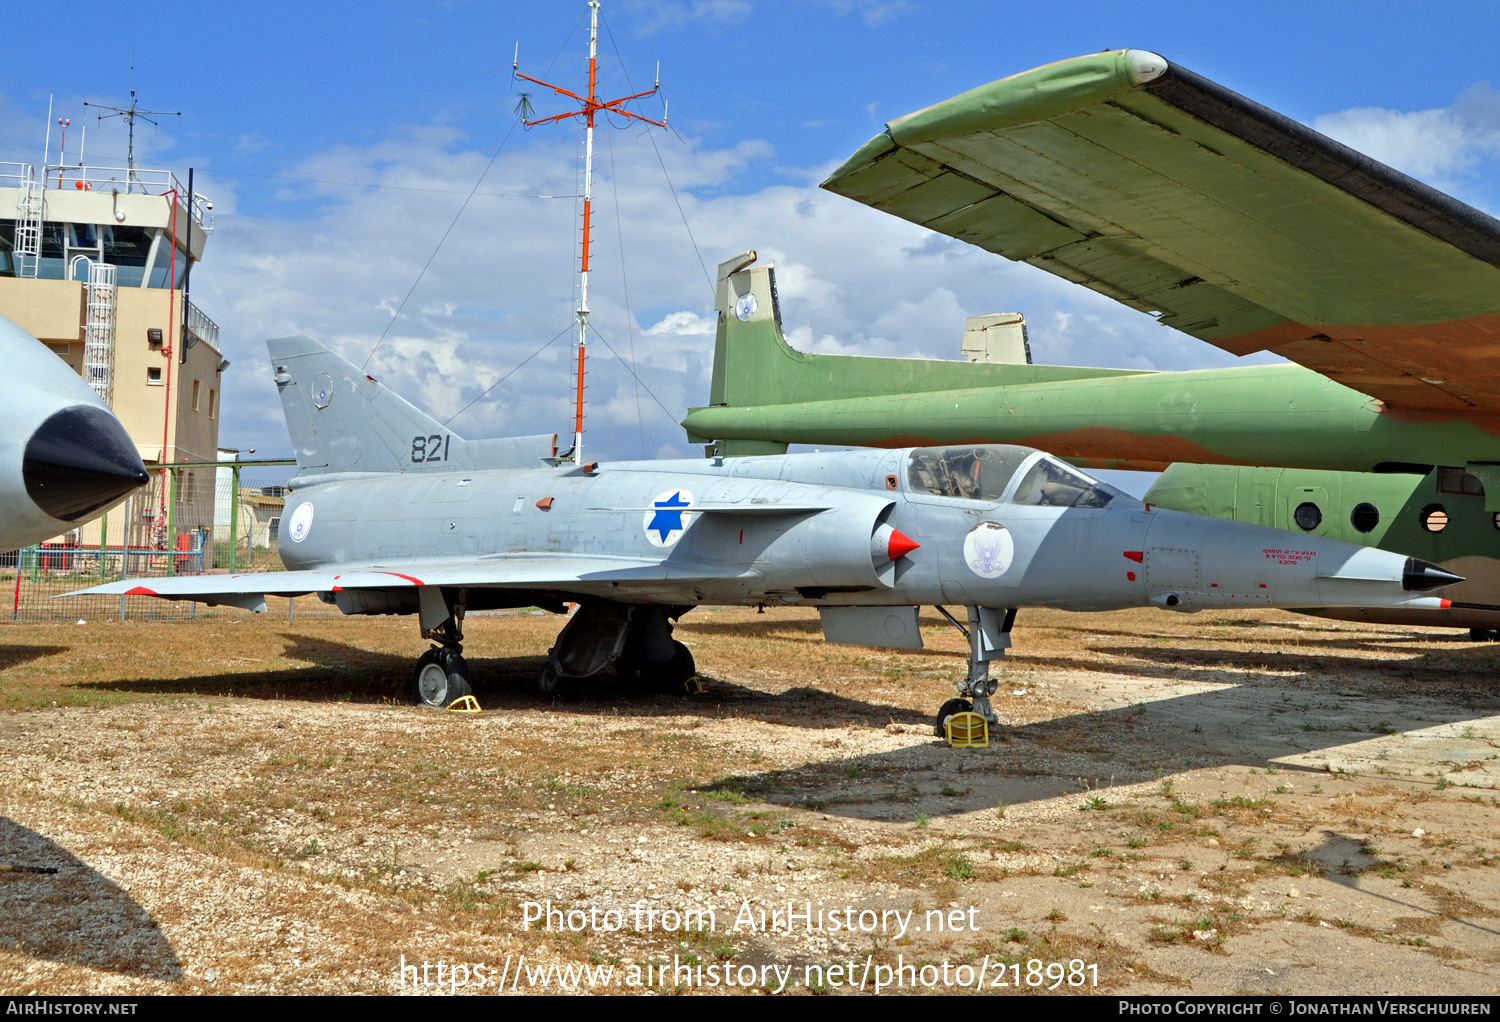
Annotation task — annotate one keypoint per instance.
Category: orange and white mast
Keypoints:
(590, 106)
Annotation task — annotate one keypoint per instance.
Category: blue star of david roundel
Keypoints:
(669, 517)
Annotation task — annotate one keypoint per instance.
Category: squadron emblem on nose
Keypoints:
(988, 550)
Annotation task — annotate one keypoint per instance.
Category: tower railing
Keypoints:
(204, 328)
(126, 181)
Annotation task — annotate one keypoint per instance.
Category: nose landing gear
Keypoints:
(989, 637)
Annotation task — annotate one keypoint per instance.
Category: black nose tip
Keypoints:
(1423, 575)
(80, 461)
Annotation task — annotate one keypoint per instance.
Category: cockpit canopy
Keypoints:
(987, 471)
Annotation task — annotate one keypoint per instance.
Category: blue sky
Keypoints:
(339, 142)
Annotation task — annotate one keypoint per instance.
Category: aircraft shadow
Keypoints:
(1249, 723)
(811, 708)
(75, 916)
(1344, 859)
(341, 673)
(14, 656)
(1436, 672)
(347, 673)
(1390, 634)
(1240, 725)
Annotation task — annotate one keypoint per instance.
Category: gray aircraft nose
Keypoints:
(1424, 575)
(79, 461)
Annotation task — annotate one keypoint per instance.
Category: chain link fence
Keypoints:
(193, 519)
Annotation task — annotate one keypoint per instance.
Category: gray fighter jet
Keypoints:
(393, 513)
(64, 457)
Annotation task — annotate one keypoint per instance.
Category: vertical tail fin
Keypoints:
(749, 347)
(342, 420)
(763, 391)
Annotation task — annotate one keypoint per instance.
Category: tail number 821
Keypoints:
(430, 448)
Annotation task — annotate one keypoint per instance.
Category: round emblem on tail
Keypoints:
(322, 390)
(300, 522)
(745, 306)
(989, 549)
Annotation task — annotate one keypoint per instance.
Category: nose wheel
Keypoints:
(951, 707)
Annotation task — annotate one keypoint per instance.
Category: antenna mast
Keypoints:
(590, 105)
(130, 114)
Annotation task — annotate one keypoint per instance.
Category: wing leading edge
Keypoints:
(1227, 220)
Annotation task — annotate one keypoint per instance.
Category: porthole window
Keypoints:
(1495, 519)
(1308, 516)
(1364, 517)
(1434, 518)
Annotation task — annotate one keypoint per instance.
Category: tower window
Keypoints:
(153, 377)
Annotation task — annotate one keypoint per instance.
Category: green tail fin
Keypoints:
(756, 370)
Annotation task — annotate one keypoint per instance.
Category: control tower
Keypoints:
(96, 262)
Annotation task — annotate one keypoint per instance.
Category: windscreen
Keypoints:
(1052, 484)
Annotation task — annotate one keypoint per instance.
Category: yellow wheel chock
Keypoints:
(967, 730)
(464, 704)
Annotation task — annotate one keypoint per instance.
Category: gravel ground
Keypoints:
(1173, 805)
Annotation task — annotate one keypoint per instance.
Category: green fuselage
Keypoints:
(1282, 414)
(766, 395)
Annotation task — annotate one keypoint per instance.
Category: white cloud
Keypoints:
(927, 327)
(652, 16)
(872, 12)
(1442, 146)
(682, 324)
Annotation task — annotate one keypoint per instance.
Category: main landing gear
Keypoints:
(441, 675)
(635, 639)
(988, 633)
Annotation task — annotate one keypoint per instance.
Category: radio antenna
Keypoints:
(130, 114)
(590, 105)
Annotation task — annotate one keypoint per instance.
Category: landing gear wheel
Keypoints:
(441, 676)
(681, 669)
(669, 678)
(951, 707)
(548, 678)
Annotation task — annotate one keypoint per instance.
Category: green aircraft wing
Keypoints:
(1226, 220)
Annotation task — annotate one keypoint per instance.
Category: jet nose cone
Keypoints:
(1422, 575)
(80, 461)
